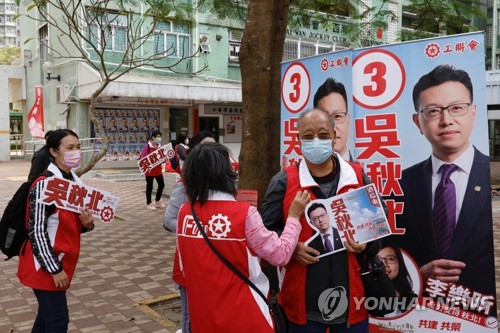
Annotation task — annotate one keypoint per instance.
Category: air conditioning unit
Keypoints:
(205, 48)
(63, 92)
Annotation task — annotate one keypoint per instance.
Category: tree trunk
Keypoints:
(260, 58)
(96, 156)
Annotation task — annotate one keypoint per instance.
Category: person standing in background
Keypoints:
(155, 173)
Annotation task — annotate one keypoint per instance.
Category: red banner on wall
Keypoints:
(35, 116)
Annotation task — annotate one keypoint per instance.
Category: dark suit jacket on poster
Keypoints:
(473, 238)
(318, 243)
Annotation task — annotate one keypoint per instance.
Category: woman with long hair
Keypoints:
(49, 260)
(178, 197)
(219, 301)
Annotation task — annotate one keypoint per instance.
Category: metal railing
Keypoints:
(29, 147)
(16, 145)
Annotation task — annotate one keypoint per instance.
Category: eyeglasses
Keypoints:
(455, 110)
(339, 117)
(321, 136)
(321, 217)
(389, 260)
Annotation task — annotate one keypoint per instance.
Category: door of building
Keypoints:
(210, 124)
(178, 122)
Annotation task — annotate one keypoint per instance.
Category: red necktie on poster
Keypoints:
(35, 116)
(445, 205)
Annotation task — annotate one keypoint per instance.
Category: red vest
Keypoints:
(293, 292)
(66, 240)
(219, 301)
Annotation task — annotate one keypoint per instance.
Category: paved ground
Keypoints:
(123, 263)
(120, 264)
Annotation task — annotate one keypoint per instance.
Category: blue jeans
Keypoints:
(313, 327)
(185, 322)
(53, 315)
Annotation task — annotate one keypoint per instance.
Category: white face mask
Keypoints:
(158, 141)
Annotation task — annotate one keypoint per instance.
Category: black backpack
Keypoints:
(13, 233)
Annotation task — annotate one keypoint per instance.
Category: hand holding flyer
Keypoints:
(357, 214)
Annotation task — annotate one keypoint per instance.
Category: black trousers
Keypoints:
(149, 187)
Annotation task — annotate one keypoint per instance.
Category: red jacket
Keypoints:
(219, 301)
(64, 231)
(293, 292)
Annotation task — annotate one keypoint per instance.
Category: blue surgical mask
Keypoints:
(317, 151)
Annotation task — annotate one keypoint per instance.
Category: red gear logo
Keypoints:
(432, 50)
(170, 153)
(324, 64)
(107, 214)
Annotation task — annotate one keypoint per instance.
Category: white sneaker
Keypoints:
(178, 331)
(160, 204)
(151, 206)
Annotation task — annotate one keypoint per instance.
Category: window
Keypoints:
(307, 49)
(43, 39)
(109, 30)
(172, 39)
(234, 45)
(291, 50)
(296, 49)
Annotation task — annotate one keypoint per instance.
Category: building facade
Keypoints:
(149, 98)
(9, 27)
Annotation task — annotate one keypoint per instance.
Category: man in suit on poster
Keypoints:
(447, 197)
(331, 97)
(328, 239)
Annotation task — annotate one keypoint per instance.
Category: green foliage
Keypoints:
(9, 54)
(444, 16)
(224, 9)
(169, 10)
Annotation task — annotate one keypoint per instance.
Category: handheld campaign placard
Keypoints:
(156, 157)
(73, 196)
(357, 214)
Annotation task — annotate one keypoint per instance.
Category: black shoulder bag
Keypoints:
(277, 312)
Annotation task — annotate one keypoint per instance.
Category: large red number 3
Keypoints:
(295, 81)
(377, 70)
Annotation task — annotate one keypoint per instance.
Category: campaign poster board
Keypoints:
(127, 130)
(394, 143)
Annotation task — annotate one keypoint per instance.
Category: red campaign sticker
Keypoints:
(295, 87)
(379, 78)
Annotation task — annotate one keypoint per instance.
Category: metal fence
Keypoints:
(29, 147)
(16, 145)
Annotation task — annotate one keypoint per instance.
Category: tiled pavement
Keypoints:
(120, 264)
